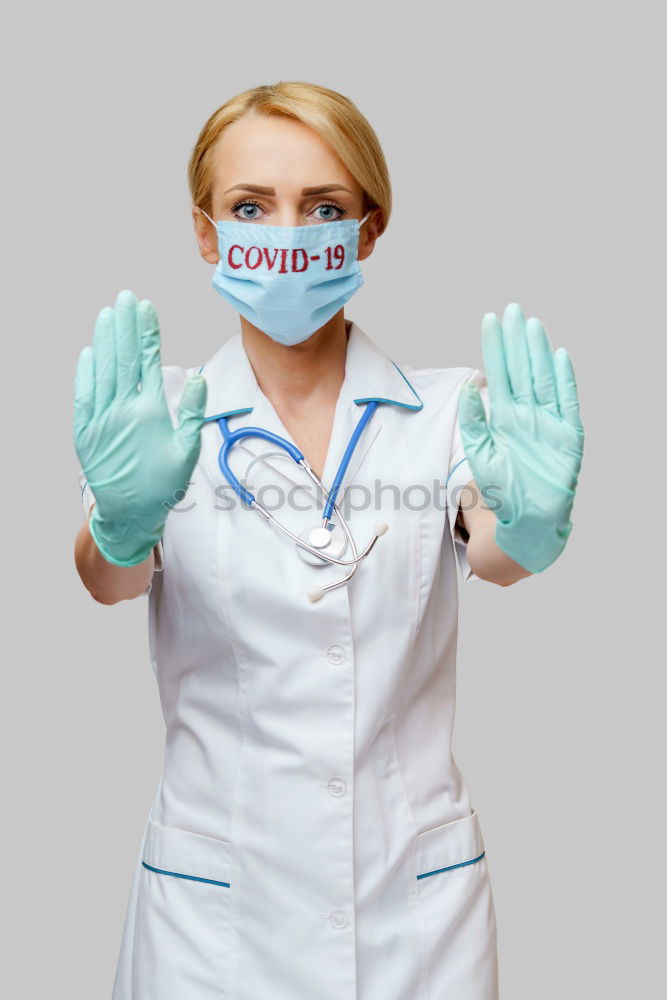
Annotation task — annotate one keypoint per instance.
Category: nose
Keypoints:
(289, 215)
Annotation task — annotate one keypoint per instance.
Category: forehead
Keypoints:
(278, 152)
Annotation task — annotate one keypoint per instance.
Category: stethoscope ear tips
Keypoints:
(314, 594)
(380, 528)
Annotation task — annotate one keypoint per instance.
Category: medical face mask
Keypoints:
(288, 280)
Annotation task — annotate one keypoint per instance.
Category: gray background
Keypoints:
(525, 144)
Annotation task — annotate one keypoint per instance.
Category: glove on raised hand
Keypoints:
(134, 460)
(531, 448)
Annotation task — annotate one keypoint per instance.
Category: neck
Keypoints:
(292, 376)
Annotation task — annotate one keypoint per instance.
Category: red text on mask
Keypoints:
(283, 261)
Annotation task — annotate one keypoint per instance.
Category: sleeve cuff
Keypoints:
(459, 474)
(456, 495)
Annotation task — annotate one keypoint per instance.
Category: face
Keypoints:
(265, 170)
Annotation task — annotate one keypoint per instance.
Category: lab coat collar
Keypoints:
(369, 375)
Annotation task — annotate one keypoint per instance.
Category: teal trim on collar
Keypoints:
(225, 413)
(361, 399)
(228, 413)
(382, 399)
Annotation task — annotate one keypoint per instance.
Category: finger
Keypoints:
(104, 349)
(493, 352)
(128, 344)
(542, 366)
(151, 364)
(516, 353)
(84, 390)
(475, 433)
(191, 412)
(568, 400)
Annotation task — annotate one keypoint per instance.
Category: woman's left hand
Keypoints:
(529, 453)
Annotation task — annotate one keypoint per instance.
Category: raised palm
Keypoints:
(529, 452)
(134, 460)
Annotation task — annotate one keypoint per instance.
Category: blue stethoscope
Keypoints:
(325, 543)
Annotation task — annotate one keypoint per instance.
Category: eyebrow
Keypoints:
(258, 189)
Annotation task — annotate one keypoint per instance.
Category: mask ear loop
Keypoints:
(208, 217)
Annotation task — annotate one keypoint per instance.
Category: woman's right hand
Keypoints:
(133, 458)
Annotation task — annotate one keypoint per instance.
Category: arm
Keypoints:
(106, 582)
(487, 560)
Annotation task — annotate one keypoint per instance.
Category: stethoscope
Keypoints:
(326, 542)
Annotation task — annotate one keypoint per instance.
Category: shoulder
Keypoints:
(174, 379)
(174, 376)
(439, 388)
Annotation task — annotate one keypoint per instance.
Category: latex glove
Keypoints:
(133, 458)
(532, 446)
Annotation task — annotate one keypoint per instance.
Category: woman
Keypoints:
(311, 835)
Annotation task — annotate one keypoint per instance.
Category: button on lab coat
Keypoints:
(311, 836)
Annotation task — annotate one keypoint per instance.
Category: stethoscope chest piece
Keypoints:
(330, 539)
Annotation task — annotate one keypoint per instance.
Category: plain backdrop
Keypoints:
(525, 143)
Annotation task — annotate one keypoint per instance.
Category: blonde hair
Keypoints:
(334, 117)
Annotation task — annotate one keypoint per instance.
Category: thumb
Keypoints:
(191, 411)
(475, 433)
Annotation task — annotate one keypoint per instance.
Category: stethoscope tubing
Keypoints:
(230, 438)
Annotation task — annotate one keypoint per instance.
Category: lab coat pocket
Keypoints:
(182, 927)
(456, 905)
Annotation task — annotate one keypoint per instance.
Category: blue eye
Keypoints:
(245, 204)
(331, 205)
(248, 213)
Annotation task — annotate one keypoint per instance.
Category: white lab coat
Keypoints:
(311, 836)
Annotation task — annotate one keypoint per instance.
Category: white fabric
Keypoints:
(309, 779)
(459, 475)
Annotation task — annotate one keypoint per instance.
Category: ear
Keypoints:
(369, 234)
(206, 236)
